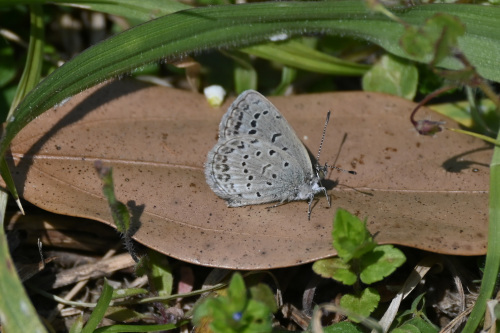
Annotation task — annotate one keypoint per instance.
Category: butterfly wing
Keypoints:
(248, 171)
(252, 115)
(258, 158)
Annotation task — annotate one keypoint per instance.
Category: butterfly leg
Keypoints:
(311, 198)
(276, 205)
(327, 197)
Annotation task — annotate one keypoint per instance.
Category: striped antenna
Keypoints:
(352, 172)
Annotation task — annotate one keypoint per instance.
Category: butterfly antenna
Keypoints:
(323, 136)
(321, 146)
(352, 172)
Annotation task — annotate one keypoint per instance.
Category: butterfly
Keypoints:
(259, 157)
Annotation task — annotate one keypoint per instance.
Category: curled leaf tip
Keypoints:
(428, 127)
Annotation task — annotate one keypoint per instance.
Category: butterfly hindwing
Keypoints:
(250, 171)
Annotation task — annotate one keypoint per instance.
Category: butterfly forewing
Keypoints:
(252, 116)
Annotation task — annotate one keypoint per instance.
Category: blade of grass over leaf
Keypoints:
(492, 264)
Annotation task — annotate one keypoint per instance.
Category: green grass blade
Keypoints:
(143, 10)
(140, 328)
(477, 135)
(140, 11)
(288, 75)
(492, 264)
(298, 55)
(29, 79)
(34, 61)
(100, 309)
(16, 311)
(147, 9)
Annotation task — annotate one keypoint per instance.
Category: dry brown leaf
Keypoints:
(424, 192)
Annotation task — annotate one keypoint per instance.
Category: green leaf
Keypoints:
(100, 309)
(337, 269)
(351, 239)
(392, 75)
(420, 324)
(406, 328)
(379, 263)
(161, 273)
(450, 28)
(342, 327)
(417, 316)
(235, 312)
(257, 318)
(205, 310)
(435, 40)
(362, 304)
(237, 293)
(262, 293)
(413, 310)
(417, 44)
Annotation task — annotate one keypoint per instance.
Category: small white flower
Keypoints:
(215, 95)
